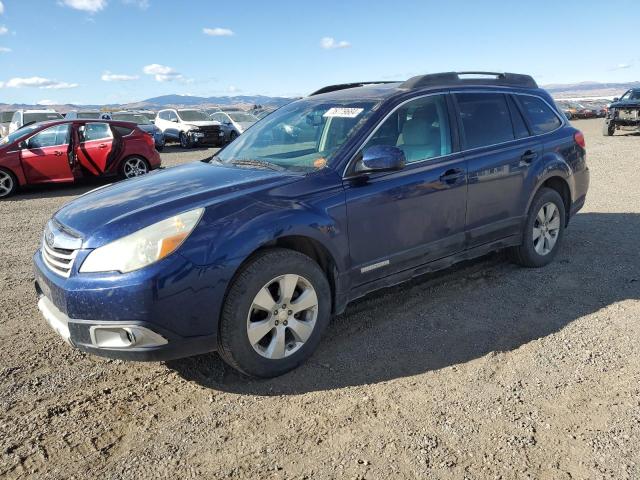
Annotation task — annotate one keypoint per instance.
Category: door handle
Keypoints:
(452, 175)
(57, 153)
(529, 156)
(102, 145)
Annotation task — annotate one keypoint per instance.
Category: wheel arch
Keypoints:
(560, 184)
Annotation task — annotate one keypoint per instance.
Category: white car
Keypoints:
(25, 117)
(236, 122)
(5, 120)
(189, 127)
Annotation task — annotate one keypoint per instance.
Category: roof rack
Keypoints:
(475, 78)
(344, 86)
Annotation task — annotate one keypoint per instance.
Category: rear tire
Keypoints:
(274, 314)
(543, 230)
(608, 129)
(134, 167)
(8, 183)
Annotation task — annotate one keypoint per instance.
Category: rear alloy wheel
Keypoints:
(543, 230)
(8, 184)
(185, 142)
(134, 167)
(274, 314)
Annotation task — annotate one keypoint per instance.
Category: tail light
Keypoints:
(149, 139)
(579, 138)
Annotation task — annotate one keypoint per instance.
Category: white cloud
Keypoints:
(3, 30)
(115, 77)
(1, 8)
(329, 43)
(38, 82)
(47, 102)
(141, 4)
(218, 32)
(233, 89)
(622, 66)
(162, 73)
(92, 6)
(4, 50)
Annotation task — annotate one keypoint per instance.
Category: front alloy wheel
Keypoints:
(134, 167)
(282, 316)
(274, 313)
(7, 184)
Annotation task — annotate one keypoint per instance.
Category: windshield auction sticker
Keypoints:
(343, 112)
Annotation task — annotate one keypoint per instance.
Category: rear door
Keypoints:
(45, 157)
(95, 143)
(499, 150)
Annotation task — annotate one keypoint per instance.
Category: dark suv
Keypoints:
(354, 188)
(623, 113)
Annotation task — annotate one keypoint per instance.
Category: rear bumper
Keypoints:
(123, 320)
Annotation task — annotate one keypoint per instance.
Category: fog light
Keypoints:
(124, 336)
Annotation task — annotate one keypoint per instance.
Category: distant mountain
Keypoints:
(589, 89)
(192, 101)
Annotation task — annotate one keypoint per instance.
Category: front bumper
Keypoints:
(124, 319)
(215, 138)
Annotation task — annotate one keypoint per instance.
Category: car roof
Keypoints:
(60, 121)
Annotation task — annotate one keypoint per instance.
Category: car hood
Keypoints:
(112, 212)
(625, 104)
(245, 125)
(203, 123)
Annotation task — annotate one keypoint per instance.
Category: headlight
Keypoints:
(143, 247)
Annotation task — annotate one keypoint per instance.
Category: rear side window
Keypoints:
(95, 131)
(122, 131)
(541, 118)
(519, 125)
(485, 119)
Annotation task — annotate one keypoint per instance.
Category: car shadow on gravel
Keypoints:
(176, 148)
(457, 315)
(58, 190)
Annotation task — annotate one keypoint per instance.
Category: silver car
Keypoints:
(233, 123)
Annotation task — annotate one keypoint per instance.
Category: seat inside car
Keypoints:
(421, 134)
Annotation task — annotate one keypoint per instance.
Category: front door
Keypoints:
(95, 143)
(399, 220)
(45, 156)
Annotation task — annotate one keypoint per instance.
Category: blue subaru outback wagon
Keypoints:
(354, 188)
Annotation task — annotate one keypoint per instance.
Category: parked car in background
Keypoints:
(189, 127)
(565, 109)
(85, 115)
(623, 113)
(251, 253)
(234, 123)
(22, 118)
(144, 124)
(66, 150)
(5, 121)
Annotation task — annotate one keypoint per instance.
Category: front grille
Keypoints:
(59, 260)
(209, 129)
(629, 114)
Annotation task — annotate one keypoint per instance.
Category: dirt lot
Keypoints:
(486, 371)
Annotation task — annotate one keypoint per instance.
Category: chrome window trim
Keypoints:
(563, 123)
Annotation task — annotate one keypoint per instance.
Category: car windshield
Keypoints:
(193, 115)
(40, 117)
(631, 95)
(243, 117)
(5, 117)
(89, 115)
(131, 117)
(23, 132)
(302, 136)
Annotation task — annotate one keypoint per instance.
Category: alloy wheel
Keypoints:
(6, 184)
(282, 316)
(135, 167)
(546, 229)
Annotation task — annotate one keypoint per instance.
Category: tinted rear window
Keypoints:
(539, 114)
(5, 117)
(485, 119)
(122, 131)
(40, 117)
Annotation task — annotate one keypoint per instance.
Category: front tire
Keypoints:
(608, 129)
(543, 230)
(274, 314)
(8, 183)
(185, 141)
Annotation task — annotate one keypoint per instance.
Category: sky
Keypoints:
(119, 51)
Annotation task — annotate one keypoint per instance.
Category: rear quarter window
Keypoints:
(122, 131)
(541, 117)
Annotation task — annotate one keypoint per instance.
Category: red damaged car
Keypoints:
(67, 150)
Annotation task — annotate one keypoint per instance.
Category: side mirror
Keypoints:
(381, 158)
(615, 99)
(174, 120)
(23, 145)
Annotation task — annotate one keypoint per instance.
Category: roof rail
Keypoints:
(475, 78)
(344, 86)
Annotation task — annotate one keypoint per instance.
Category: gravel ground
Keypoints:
(483, 371)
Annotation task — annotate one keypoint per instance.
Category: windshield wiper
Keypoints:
(258, 163)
